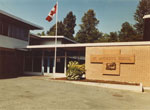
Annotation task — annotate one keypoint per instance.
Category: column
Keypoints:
(65, 65)
(24, 62)
(42, 63)
(48, 64)
(32, 61)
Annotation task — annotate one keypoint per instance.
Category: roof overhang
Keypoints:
(58, 37)
(31, 25)
(34, 36)
(83, 45)
(146, 17)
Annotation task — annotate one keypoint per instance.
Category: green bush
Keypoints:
(75, 71)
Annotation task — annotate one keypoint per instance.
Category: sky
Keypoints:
(110, 13)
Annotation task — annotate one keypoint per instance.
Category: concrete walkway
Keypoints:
(40, 93)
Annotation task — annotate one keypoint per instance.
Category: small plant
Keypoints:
(75, 71)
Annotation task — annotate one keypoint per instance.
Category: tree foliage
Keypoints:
(128, 33)
(65, 28)
(113, 37)
(88, 31)
(104, 38)
(142, 9)
(69, 25)
(60, 29)
(41, 34)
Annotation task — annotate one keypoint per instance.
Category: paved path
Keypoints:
(37, 93)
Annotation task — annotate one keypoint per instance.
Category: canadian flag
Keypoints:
(52, 13)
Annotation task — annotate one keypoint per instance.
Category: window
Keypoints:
(18, 32)
(1, 28)
(5, 29)
(13, 30)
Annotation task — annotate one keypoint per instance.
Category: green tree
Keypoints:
(103, 38)
(128, 33)
(142, 9)
(88, 31)
(113, 37)
(41, 34)
(60, 29)
(69, 24)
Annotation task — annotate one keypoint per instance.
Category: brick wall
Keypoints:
(139, 72)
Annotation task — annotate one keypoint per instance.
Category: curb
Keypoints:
(112, 86)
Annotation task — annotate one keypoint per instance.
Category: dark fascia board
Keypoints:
(31, 25)
(34, 36)
(58, 37)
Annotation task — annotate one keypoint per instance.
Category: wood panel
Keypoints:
(11, 63)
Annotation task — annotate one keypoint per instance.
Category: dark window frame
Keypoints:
(13, 30)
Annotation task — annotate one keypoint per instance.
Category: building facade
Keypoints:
(41, 60)
(122, 62)
(14, 35)
(25, 53)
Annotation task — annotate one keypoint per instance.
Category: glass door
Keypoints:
(60, 65)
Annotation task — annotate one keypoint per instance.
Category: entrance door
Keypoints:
(48, 65)
(45, 65)
(60, 65)
(51, 65)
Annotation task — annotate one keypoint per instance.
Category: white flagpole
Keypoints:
(54, 69)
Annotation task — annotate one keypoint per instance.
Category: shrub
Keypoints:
(75, 71)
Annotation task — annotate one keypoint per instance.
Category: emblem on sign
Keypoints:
(111, 66)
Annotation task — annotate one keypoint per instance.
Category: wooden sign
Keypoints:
(111, 60)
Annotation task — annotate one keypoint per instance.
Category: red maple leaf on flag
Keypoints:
(51, 13)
